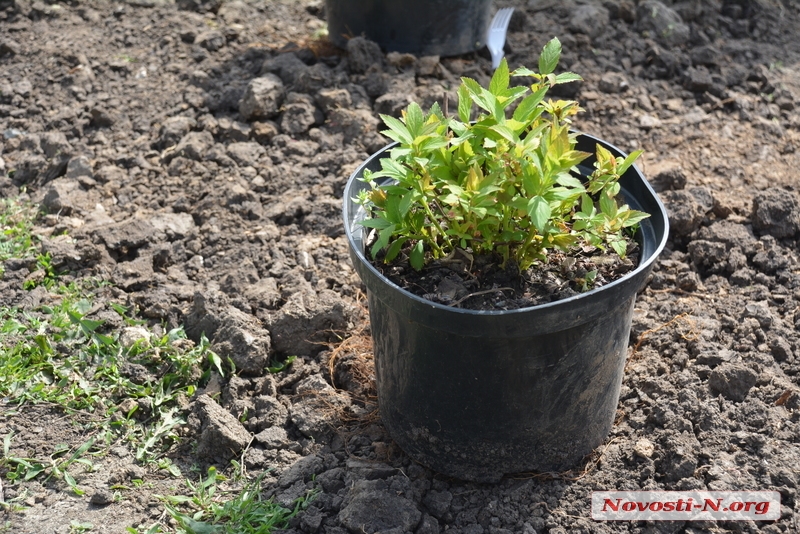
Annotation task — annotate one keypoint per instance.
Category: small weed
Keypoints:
(45, 274)
(62, 354)
(16, 229)
(206, 510)
(56, 466)
(78, 527)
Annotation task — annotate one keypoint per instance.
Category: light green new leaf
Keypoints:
(472, 86)
(551, 53)
(629, 161)
(464, 104)
(414, 119)
(566, 77)
(505, 132)
(523, 71)
(620, 246)
(567, 180)
(397, 130)
(429, 144)
(499, 82)
(634, 217)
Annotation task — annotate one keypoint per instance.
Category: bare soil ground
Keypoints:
(195, 154)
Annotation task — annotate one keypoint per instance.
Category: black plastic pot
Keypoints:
(476, 394)
(422, 27)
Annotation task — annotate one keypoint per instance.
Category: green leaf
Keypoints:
(464, 103)
(608, 206)
(72, 484)
(628, 161)
(80, 451)
(523, 71)
(417, 256)
(216, 361)
(539, 212)
(34, 470)
(499, 82)
(378, 224)
(567, 180)
(280, 367)
(551, 53)
(82, 307)
(396, 127)
(571, 158)
(405, 203)
(634, 217)
(587, 206)
(394, 249)
(525, 110)
(436, 111)
(566, 77)
(429, 144)
(472, 86)
(505, 132)
(414, 119)
(620, 246)
(383, 240)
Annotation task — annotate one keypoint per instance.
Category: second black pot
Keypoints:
(422, 27)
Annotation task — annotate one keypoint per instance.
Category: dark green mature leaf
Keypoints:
(608, 206)
(405, 203)
(394, 249)
(526, 108)
(499, 82)
(551, 53)
(383, 240)
(539, 212)
(587, 206)
(417, 256)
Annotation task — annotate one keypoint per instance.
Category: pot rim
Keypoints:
(645, 263)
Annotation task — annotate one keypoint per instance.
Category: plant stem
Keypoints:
(435, 222)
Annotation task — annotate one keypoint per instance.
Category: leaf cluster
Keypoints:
(499, 178)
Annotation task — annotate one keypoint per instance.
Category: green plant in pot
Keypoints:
(478, 393)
